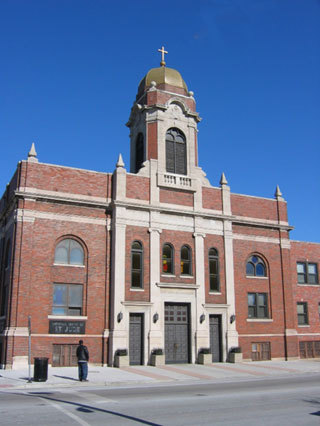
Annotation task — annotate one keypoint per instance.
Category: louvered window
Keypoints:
(176, 158)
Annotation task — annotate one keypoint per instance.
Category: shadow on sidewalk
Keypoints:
(66, 377)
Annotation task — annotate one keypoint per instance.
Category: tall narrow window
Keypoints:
(136, 265)
(256, 267)
(302, 311)
(258, 305)
(69, 252)
(67, 299)
(139, 152)
(167, 259)
(176, 158)
(214, 270)
(185, 261)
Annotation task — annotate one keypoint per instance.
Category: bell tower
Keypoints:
(163, 123)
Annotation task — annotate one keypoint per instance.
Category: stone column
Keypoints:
(118, 336)
(201, 328)
(156, 338)
(232, 334)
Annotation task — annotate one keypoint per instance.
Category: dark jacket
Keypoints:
(82, 353)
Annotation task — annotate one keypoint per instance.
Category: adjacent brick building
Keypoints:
(152, 258)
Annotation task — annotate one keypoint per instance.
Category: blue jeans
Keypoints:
(83, 370)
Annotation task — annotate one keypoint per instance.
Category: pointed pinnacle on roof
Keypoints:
(278, 193)
(120, 162)
(32, 154)
(223, 180)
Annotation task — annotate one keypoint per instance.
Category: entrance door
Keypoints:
(64, 356)
(177, 333)
(215, 337)
(136, 339)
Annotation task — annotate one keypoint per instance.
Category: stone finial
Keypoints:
(32, 155)
(223, 180)
(120, 162)
(278, 193)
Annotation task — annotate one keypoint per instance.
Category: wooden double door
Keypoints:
(64, 355)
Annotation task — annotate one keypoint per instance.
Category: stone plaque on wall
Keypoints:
(66, 327)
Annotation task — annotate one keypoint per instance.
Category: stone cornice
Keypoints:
(259, 223)
(84, 201)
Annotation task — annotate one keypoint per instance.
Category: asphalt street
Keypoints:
(256, 401)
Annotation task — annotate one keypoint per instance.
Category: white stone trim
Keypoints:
(81, 336)
(263, 335)
(308, 334)
(256, 238)
(178, 285)
(31, 215)
(69, 264)
(16, 332)
(251, 277)
(136, 303)
(68, 317)
(308, 285)
(27, 191)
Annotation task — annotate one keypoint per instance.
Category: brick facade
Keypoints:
(105, 213)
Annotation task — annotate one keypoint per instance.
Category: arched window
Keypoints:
(167, 259)
(69, 252)
(255, 267)
(139, 152)
(176, 158)
(136, 265)
(185, 261)
(214, 270)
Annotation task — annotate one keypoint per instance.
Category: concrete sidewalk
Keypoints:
(138, 375)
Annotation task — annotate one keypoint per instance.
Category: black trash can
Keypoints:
(40, 372)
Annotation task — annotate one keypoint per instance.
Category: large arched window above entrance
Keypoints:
(256, 267)
(139, 152)
(176, 153)
(69, 252)
(167, 259)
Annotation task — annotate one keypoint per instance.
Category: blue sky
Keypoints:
(70, 70)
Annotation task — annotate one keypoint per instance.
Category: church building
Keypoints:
(151, 255)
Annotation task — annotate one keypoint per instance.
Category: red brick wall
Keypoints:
(259, 208)
(255, 231)
(35, 274)
(55, 178)
(306, 252)
(152, 141)
(272, 285)
(138, 187)
(172, 196)
(211, 198)
(136, 233)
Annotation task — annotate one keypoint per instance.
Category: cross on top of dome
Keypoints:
(163, 52)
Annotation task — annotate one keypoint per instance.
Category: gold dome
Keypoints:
(163, 75)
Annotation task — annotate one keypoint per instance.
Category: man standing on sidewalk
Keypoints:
(83, 358)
